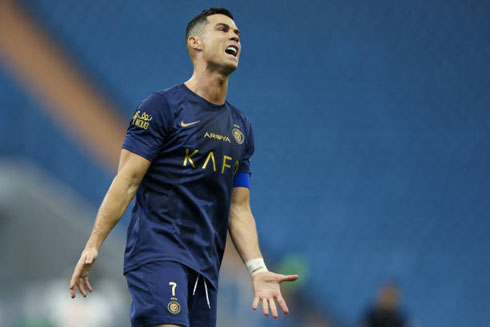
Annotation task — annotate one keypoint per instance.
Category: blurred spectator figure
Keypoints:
(386, 311)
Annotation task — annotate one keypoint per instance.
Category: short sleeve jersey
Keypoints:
(182, 204)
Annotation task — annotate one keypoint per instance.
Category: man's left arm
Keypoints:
(243, 232)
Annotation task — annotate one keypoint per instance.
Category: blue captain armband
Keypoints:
(242, 180)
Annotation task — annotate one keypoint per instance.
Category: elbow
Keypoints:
(128, 184)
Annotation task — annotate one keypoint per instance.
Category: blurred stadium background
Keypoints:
(372, 163)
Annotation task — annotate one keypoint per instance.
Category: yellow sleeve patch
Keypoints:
(141, 119)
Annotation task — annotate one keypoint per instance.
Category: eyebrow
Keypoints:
(236, 30)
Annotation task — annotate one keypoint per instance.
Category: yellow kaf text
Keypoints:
(209, 161)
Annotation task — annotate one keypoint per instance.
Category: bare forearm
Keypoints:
(243, 232)
(115, 203)
(132, 168)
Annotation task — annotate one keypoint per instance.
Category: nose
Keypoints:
(234, 35)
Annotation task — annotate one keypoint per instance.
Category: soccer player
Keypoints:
(186, 157)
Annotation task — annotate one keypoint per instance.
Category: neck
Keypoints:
(212, 86)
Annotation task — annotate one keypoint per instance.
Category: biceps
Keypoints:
(132, 167)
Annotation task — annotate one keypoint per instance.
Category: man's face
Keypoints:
(221, 42)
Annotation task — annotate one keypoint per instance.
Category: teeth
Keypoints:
(232, 50)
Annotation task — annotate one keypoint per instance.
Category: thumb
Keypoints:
(288, 278)
(89, 259)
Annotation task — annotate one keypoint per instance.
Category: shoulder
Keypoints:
(170, 92)
(157, 106)
(166, 96)
(162, 97)
(174, 95)
(240, 115)
(154, 102)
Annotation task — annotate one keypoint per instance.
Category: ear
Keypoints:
(195, 42)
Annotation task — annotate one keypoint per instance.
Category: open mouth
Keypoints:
(232, 50)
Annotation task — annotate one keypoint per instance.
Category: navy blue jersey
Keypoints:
(182, 205)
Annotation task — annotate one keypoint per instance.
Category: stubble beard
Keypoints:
(222, 68)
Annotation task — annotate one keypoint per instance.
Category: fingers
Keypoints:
(85, 262)
(74, 280)
(87, 284)
(288, 278)
(283, 305)
(266, 303)
(269, 302)
(80, 283)
(272, 304)
(72, 288)
(256, 303)
(265, 307)
(80, 287)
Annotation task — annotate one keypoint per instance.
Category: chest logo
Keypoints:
(217, 137)
(188, 124)
(238, 135)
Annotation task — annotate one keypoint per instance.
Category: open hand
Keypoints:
(80, 274)
(266, 288)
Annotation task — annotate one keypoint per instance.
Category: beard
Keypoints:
(221, 65)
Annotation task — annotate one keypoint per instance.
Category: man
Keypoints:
(186, 156)
(387, 311)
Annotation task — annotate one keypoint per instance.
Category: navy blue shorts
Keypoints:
(167, 292)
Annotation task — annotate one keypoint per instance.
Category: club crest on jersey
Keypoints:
(141, 119)
(173, 307)
(238, 135)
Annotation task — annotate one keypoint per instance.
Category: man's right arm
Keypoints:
(132, 168)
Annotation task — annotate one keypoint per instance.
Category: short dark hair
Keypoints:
(202, 18)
